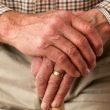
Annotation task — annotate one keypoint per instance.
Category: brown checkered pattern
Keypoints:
(38, 6)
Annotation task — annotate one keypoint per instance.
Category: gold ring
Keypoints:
(56, 73)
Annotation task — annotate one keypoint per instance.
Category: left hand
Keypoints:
(52, 89)
(48, 84)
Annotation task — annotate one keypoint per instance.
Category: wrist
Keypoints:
(98, 16)
(6, 26)
(97, 19)
(103, 25)
(100, 22)
(8, 23)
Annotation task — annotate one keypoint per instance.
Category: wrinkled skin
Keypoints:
(45, 34)
(70, 43)
(55, 88)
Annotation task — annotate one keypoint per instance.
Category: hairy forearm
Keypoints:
(8, 22)
(5, 26)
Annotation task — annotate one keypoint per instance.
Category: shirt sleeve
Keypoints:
(104, 7)
(3, 8)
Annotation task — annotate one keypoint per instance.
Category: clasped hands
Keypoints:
(81, 45)
(59, 41)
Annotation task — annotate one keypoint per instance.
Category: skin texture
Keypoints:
(58, 93)
(45, 34)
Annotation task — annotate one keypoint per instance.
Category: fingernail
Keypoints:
(100, 52)
(87, 71)
(44, 106)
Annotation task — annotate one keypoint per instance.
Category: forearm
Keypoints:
(9, 20)
(3, 9)
(5, 26)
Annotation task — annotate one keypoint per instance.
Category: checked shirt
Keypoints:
(38, 6)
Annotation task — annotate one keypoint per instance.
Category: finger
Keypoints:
(73, 53)
(43, 76)
(53, 85)
(62, 61)
(36, 63)
(80, 41)
(91, 33)
(63, 89)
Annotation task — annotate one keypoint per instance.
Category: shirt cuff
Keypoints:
(3, 8)
(105, 13)
(104, 7)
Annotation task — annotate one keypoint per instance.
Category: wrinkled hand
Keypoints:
(97, 19)
(67, 80)
(46, 69)
(49, 86)
(55, 35)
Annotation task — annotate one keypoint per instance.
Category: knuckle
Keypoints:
(49, 30)
(49, 64)
(73, 51)
(41, 80)
(61, 59)
(55, 21)
(88, 28)
(47, 99)
(82, 42)
(56, 38)
(41, 43)
(60, 96)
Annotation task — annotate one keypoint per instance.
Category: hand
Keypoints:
(54, 35)
(48, 85)
(97, 19)
(42, 85)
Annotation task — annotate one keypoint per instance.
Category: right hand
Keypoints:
(43, 68)
(53, 36)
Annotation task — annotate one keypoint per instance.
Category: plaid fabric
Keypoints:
(105, 4)
(38, 6)
(104, 7)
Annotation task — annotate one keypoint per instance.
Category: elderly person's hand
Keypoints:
(55, 88)
(48, 83)
(54, 35)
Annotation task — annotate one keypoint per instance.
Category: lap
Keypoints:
(16, 81)
(17, 89)
(93, 91)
